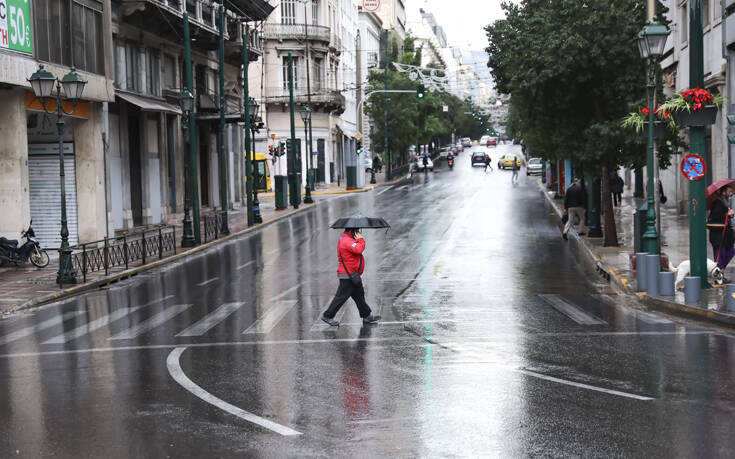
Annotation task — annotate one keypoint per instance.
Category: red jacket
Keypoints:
(351, 251)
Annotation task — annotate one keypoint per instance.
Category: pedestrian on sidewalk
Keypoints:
(377, 164)
(516, 168)
(616, 186)
(575, 205)
(721, 234)
(350, 262)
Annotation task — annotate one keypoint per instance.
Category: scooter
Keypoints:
(450, 161)
(31, 249)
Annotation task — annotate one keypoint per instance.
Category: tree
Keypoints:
(572, 69)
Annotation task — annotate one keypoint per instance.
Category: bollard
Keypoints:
(692, 289)
(666, 283)
(640, 271)
(730, 297)
(652, 270)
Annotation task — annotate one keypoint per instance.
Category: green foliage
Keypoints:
(572, 68)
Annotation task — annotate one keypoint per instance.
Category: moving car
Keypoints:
(506, 161)
(420, 163)
(466, 142)
(484, 140)
(260, 165)
(492, 142)
(535, 166)
(479, 157)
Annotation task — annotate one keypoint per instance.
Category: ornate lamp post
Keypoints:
(305, 113)
(186, 102)
(42, 82)
(651, 43)
(254, 127)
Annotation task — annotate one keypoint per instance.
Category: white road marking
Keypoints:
(402, 187)
(640, 315)
(573, 312)
(211, 320)
(151, 323)
(99, 323)
(177, 373)
(271, 317)
(383, 191)
(580, 385)
(48, 323)
(245, 265)
(208, 281)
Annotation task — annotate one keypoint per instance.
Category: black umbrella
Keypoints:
(360, 221)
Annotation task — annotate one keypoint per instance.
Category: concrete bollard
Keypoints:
(692, 289)
(730, 297)
(640, 271)
(666, 283)
(652, 270)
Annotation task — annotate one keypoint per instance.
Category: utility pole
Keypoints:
(294, 184)
(193, 170)
(385, 111)
(697, 189)
(309, 180)
(246, 109)
(224, 230)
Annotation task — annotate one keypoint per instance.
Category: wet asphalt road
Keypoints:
(493, 344)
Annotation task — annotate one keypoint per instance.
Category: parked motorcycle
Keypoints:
(450, 161)
(30, 250)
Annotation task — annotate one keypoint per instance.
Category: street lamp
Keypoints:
(186, 102)
(42, 82)
(651, 43)
(305, 113)
(254, 127)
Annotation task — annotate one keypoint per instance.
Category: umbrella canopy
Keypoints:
(714, 188)
(360, 221)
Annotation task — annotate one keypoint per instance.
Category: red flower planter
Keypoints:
(705, 117)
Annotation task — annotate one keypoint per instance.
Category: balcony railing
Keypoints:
(296, 31)
(329, 97)
(335, 42)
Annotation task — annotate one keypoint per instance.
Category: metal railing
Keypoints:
(120, 251)
(335, 42)
(296, 31)
(211, 225)
(319, 94)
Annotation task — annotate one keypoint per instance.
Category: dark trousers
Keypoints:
(617, 198)
(346, 290)
(723, 255)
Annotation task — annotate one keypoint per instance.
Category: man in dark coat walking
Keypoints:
(616, 186)
(575, 206)
(350, 260)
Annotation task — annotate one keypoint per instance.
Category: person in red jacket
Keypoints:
(349, 260)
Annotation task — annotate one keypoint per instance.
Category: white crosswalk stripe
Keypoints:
(151, 323)
(573, 312)
(48, 323)
(271, 318)
(211, 320)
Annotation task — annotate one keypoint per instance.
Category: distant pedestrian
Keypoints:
(575, 205)
(350, 262)
(616, 186)
(488, 163)
(377, 164)
(516, 167)
(721, 234)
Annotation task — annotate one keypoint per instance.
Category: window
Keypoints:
(120, 73)
(131, 68)
(152, 73)
(705, 13)
(295, 72)
(315, 12)
(288, 12)
(318, 73)
(684, 22)
(169, 72)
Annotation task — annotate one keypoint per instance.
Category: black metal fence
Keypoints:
(212, 224)
(122, 251)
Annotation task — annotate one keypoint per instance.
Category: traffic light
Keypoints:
(420, 91)
(358, 149)
(731, 122)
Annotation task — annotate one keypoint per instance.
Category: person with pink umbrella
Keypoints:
(719, 222)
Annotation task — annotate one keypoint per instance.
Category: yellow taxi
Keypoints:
(260, 166)
(506, 162)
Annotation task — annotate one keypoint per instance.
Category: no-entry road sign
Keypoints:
(371, 5)
(693, 167)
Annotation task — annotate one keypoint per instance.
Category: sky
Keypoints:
(463, 20)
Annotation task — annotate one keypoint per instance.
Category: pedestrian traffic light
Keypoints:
(420, 91)
(731, 122)
(358, 150)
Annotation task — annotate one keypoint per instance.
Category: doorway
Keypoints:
(204, 166)
(134, 161)
(320, 161)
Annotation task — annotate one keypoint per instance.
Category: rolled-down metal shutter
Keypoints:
(45, 195)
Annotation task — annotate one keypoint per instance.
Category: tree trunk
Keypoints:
(610, 230)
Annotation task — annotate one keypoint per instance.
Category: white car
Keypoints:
(535, 166)
(368, 163)
(420, 163)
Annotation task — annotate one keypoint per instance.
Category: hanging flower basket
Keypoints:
(694, 107)
(639, 121)
(659, 130)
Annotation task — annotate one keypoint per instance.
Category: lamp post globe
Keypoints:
(73, 85)
(42, 82)
(186, 102)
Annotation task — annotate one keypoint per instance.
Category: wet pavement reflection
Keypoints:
(493, 344)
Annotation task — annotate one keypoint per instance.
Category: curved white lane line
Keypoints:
(174, 369)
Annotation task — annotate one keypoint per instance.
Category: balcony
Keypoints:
(322, 98)
(335, 44)
(295, 32)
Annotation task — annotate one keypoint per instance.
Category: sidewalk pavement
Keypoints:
(25, 286)
(614, 263)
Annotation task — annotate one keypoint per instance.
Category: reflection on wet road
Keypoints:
(493, 343)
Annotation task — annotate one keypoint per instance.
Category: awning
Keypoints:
(148, 104)
(255, 10)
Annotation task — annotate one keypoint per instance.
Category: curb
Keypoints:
(651, 302)
(77, 289)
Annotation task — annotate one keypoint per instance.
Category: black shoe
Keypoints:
(331, 322)
(564, 235)
(582, 234)
(371, 319)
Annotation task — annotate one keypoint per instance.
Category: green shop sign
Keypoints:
(15, 25)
